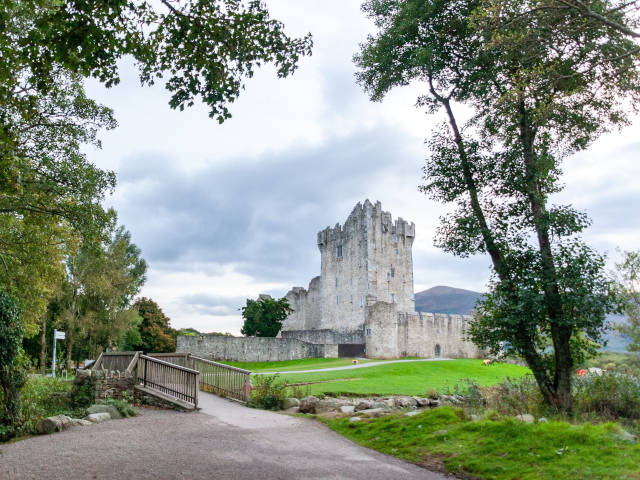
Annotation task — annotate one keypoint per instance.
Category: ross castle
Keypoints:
(363, 303)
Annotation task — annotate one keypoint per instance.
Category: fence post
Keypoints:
(144, 378)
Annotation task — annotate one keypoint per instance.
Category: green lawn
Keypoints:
(410, 378)
(499, 449)
(303, 364)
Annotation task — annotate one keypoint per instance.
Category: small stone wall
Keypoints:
(107, 384)
(248, 349)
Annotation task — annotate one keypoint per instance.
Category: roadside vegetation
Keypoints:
(499, 448)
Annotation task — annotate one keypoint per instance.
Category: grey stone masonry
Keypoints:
(367, 259)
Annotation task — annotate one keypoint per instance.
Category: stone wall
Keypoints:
(107, 384)
(248, 349)
(325, 336)
(389, 334)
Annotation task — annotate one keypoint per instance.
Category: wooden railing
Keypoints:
(181, 359)
(224, 380)
(118, 361)
(170, 379)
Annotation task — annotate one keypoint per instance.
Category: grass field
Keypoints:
(303, 364)
(499, 449)
(410, 378)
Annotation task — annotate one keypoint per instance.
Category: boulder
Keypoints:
(98, 417)
(110, 409)
(329, 405)
(81, 422)
(290, 402)
(354, 419)
(542, 420)
(292, 410)
(57, 423)
(413, 413)
(441, 432)
(434, 402)
(525, 417)
(379, 405)
(626, 436)
(421, 402)
(364, 405)
(308, 404)
(347, 409)
(373, 412)
(405, 402)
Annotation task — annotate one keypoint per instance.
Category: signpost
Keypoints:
(56, 336)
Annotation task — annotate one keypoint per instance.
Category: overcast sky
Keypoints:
(224, 212)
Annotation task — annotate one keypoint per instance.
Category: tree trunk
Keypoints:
(43, 344)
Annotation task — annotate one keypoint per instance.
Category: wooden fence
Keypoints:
(181, 359)
(114, 361)
(173, 380)
(224, 380)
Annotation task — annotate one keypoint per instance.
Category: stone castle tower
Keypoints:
(367, 260)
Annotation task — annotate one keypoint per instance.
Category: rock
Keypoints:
(81, 422)
(421, 402)
(389, 402)
(354, 419)
(525, 417)
(290, 402)
(413, 413)
(364, 405)
(373, 412)
(475, 418)
(57, 423)
(379, 405)
(451, 399)
(292, 410)
(441, 432)
(110, 409)
(328, 405)
(542, 420)
(98, 417)
(308, 404)
(405, 402)
(329, 414)
(434, 402)
(347, 409)
(626, 436)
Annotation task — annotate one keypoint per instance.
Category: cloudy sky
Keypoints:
(223, 213)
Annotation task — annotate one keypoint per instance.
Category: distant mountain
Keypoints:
(443, 299)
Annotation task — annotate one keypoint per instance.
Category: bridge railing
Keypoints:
(182, 359)
(224, 380)
(114, 361)
(173, 380)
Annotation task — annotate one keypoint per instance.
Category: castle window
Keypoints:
(336, 281)
(404, 279)
(393, 298)
(368, 331)
(351, 301)
(396, 251)
(339, 251)
(374, 245)
(337, 299)
(361, 302)
(393, 272)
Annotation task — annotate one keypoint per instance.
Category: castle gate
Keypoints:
(351, 350)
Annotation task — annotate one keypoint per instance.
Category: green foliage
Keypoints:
(501, 449)
(268, 393)
(123, 405)
(44, 397)
(628, 363)
(83, 394)
(542, 83)
(155, 329)
(12, 371)
(264, 317)
(608, 396)
(629, 273)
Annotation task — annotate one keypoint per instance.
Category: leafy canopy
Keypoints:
(264, 317)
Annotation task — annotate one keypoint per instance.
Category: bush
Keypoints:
(609, 396)
(268, 393)
(12, 371)
(124, 406)
(43, 397)
(511, 397)
(82, 394)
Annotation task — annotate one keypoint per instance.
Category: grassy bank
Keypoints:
(500, 448)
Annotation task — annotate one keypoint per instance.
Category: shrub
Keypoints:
(610, 395)
(43, 397)
(82, 394)
(124, 406)
(268, 393)
(514, 397)
(12, 371)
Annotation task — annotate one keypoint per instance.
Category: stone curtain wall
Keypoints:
(248, 349)
(107, 384)
(325, 336)
(389, 334)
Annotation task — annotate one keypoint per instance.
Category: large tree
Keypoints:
(263, 317)
(155, 329)
(537, 88)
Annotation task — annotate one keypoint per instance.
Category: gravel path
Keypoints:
(223, 441)
(359, 365)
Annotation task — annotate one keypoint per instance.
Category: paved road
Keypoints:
(222, 441)
(359, 365)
